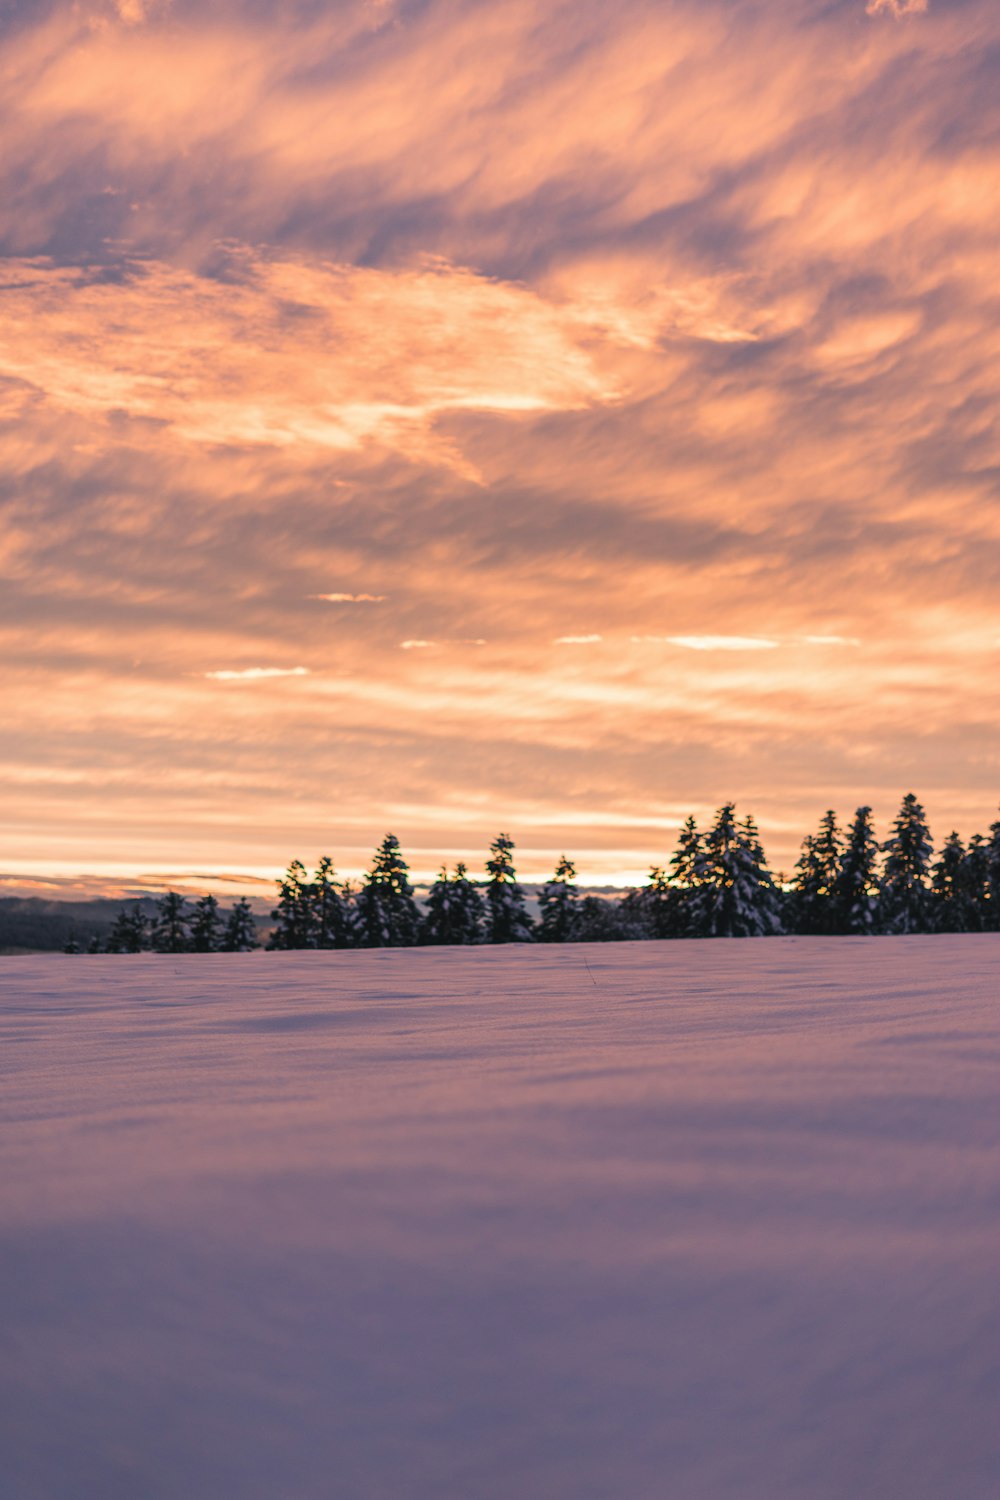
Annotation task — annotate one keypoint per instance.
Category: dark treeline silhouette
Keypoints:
(715, 884)
(177, 928)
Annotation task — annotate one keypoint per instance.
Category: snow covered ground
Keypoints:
(662, 1221)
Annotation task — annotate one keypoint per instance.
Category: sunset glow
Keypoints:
(452, 417)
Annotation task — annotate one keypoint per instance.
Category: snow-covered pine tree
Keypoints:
(905, 900)
(659, 904)
(812, 902)
(169, 932)
(856, 888)
(680, 913)
(507, 920)
(558, 904)
(438, 925)
(950, 907)
(600, 920)
(387, 912)
(467, 907)
(976, 882)
(736, 896)
(757, 897)
(294, 916)
(991, 903)
(330, 915)
(206, 926)
(240, 935)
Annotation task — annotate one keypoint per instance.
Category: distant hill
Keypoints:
(33, 925)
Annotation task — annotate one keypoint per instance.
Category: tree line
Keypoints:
(715, 884)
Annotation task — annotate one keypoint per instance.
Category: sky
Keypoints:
(443, 416)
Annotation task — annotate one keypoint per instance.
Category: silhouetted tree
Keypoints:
(600, 921)
(387, 912)
(294, 916)
(678, 911)
(812, 904)
(558, 904)
(240, 935)
(206, 926)
(129, 931)
(951, 909)
(855, 895)
(736, 896)
(507, 919)
(991, 903)
(905, 904)
(332, 927)
(170, 925)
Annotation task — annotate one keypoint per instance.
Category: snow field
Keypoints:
(654, 1221)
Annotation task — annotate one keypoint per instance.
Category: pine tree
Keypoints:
(206, 926)
(558, 903)
(737, 896)
(600, 920)
(813, 904)
(129, 931)
(387, 912)
(330, 915)
(856, 888)
(438, 924)
(680, 911)
(454, 912)
(991, 918)
(170, 925)
(905, 904)
(660, 905)
(507, 920)
(468, 909)
(951, 910)
(976, 883)
(240, 935)
(294, 916)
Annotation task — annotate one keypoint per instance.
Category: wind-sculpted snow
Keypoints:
(664, 1221)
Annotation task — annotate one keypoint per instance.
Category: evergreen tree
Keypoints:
(633, 911)
(680, 911)
(905, 904)
(387, 912)
(559, 905)
(437, 926)
(736, 896)
(952, 910)
(294, 916)
(991, 903)
(976, 883)
(128, 934)
(660, 905)
(454, 913)
(600, 921)
(468, 909)
(856, 888)
(170, 925)
(507, 920)
(240, 935)
(813, 904)
(331, 918)
(206, 926)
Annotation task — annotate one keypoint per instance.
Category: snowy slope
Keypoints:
(706, 1221)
